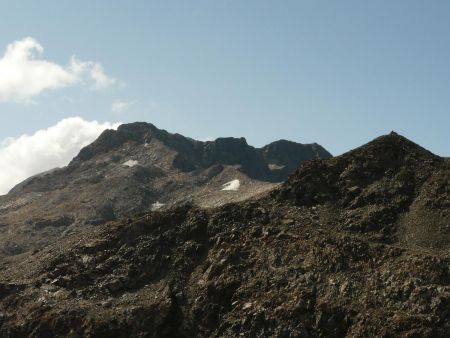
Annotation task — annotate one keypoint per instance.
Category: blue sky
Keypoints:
(334, 72)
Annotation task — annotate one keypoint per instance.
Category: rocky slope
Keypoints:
(136, 168)
(391, 188)
(353, 246)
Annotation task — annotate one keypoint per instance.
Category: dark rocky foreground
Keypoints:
(354, 246)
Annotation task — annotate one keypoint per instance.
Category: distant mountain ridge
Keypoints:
(193, 154)
(136, 168)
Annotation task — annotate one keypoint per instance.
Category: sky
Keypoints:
(338, 73)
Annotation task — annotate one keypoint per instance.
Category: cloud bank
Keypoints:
(24, 75)
(46, 149)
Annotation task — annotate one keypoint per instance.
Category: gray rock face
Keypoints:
(133, 169)
(192, 154)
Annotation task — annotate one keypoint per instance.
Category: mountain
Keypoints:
(351, 246)
(136, 168)
(391, 187)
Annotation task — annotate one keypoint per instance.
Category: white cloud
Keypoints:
(49, 148)
(91, 71)
(24, 75)
(120, 106)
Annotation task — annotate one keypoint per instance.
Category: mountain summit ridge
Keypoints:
(194, 154)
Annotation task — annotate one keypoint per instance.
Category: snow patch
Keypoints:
(157, 205)
(130, 163)
(232, 185)
(274, 167)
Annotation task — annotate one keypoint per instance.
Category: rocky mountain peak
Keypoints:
(395, 147)
(386, 158)
(375, 184)
(137, 132)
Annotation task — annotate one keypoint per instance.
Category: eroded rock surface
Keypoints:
(333, 252)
